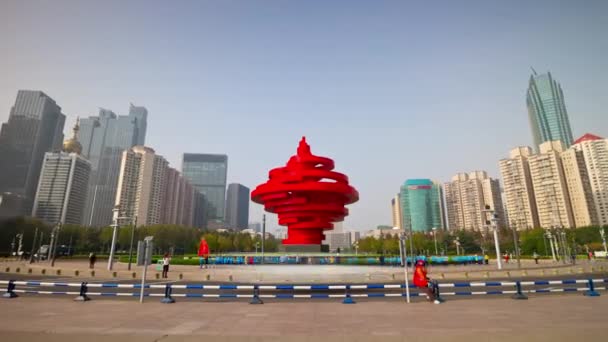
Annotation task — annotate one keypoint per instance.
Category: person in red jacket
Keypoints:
(203, 253)
(421, 280)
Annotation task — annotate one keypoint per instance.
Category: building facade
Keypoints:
(207, 173)
(179, 200)
(237, 206)
(595, 154)
(104, 138)
(467, 196)
(550, 187)
(422, 205)
(141, 183)
(518, 189)
(579, 188)
(62, 187)
(34, 127)
(547, 110)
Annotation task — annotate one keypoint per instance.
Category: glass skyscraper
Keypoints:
(207, 173)
(34, 127)
(547, 111)
(237, 206)
(422, 205)
(104, 138)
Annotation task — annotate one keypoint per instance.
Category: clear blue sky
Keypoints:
(390, 89)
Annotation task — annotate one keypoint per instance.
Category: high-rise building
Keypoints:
(141, 184)
(237, 206)
(518, 189)
(579, 187)
(467, 196)
(550, 188)
(62, 186)
(595, 154)
(396, 210)
(422, 205)
(179, 200)
(34, 127)
(256, 227)
(207, 173)
(547, 110)
(104, 138)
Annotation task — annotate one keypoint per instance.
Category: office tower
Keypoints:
(595, 154)
(422, 205)
(467, 196)
(550, 188)
(207, 173)
(178, 200)
(140, 185)
(104, 138)
(62, 186)
(335, 240)
(396, 210)
(518, 189)
(237, 206)
(547, 111)
(256, 227)
(34, 127)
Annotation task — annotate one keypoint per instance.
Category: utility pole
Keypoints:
(116, 213)
(33, 245)
(492, 221)
(263, 236)
(132, 237)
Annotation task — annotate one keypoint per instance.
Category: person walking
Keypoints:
(535, 256)
(421, 280)
(486, 259)
(166, 261)
(92, 259)
(203, 254)
(507, 258)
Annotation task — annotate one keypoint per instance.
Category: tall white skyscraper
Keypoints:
(595, 154)
(62, 186)
(518, 189)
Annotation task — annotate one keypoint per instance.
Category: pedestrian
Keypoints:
(92, 259)
(590, 256)
(535, 256)
(166, 260)
(203, 254)
(506, 258)
(421, 280)
(486, 259)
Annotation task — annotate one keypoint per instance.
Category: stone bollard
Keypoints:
(509, 274)
(43, 271)
(466, 275)
(76, 273)
(181, 276)
(114, 274)
(230, 277)
(93, 273)
(542, 272)
(18, 270)
(393, 276)
(8, 269)
(134, 275)
(486, 274)
(524, 273)
(208, 277)
(58, 272)
(29, 271)
(442, 276)
(157, 276)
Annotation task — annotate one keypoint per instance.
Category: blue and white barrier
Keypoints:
(317, 291)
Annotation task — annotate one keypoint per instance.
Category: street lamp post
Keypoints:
(403, 263)
(147, 255)
(115, 213)
(435, 238)
(493, 222)
(33, 245)
(54, 239)
(457, 243)
(403, 251)
(603, 235)
(132, 238)
(550, 238)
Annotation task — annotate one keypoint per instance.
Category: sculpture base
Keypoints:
(303, 248)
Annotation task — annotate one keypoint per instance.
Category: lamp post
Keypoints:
(33, 245)
(147, 255)
(356, 244)
(493, 222)
(54, 240)
(457, 243)
(263, 236)
(403, 263)
(550, 238)
(403, 251)
(435, 238)
(132, 238)
(603, 235)
(115, 213)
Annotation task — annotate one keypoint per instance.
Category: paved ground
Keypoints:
(542, 318)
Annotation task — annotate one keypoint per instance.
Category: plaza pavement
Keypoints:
(567, 317)
(303, 273)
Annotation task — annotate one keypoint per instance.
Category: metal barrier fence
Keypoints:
(346, 291)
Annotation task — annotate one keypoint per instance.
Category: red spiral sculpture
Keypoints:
(307, 196)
